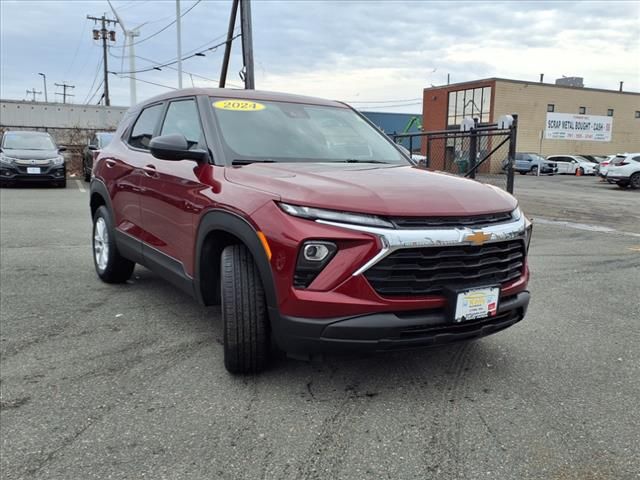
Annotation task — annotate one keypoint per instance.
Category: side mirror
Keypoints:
(175, 147)
(62, 149)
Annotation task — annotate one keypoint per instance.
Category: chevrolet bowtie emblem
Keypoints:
(478, 237)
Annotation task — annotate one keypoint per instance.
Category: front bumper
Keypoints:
(10, 173)
(389, 331)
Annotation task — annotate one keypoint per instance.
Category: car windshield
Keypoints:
(27, 141)
(536, 157)
(104, 139)
(272, 131)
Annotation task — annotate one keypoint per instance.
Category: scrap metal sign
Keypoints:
(569, 126)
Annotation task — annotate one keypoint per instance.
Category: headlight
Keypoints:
(59, 160)
(334, 216)
(5, 159)
(516, 214)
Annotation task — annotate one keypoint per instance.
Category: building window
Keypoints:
(637, 114)
(471, 103)
(582, 110)
(551, 107)
(610, 112)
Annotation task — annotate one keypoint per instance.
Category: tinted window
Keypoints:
(182, 117)
(636, 159)
(27, 141)
(145, 125)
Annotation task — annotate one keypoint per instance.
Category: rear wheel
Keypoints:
(244, 312)
(111, 267)
(634, 181)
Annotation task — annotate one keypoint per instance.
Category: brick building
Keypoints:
(536, 103)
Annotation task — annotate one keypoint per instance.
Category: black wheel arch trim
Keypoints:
(97, 186)
(239, 227)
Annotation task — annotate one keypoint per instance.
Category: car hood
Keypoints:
(30, 154)
(376, 189)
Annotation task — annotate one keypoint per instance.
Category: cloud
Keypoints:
(349, 49)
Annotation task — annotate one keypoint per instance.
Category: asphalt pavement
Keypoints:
(127, 382)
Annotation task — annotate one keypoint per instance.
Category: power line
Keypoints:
(167, 26)
(365, 107)
(198, 54)
(385, 101)
(143, 81)
(95, 93)
(80, 42)
(95, 77)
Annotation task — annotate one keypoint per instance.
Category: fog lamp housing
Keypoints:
(313, 256)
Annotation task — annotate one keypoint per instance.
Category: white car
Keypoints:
(625, 170)
(572, 163)
(603, 166)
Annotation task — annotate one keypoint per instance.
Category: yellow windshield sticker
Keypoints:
(239, 105)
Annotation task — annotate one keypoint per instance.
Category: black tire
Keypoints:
(244, 312)
(117, 269)
(622, 184)
(61, 183)
(634, 181)
(534, 170)
(521, 172)
(86, 172)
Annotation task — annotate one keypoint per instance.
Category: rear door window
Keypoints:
(144, 128)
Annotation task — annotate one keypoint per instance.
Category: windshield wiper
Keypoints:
(358, 160)
(244, 161)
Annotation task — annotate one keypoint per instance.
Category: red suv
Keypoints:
(306, 224)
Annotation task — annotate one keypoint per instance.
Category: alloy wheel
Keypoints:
(101, 244)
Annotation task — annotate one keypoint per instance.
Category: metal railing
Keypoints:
(484, 152)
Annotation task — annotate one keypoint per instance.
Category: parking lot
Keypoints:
(123, 382)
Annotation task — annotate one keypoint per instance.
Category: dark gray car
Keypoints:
(31, 157)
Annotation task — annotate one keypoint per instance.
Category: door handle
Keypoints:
(150, 171)
(110, 163)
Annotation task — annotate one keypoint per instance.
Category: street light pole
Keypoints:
(44, 79)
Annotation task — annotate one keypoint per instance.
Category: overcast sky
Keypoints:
(358, 51)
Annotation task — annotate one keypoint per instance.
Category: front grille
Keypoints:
(33, 163)
(430, 270)
(449, 222)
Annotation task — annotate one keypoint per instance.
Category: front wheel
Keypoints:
(86, 172)
(534, 170)
(244, 312)
(634, 181)
(111, 267)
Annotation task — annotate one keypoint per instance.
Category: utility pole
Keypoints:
(247, 44)
(227, 46)
(44, 80)
(104, 35)
(64, 93)
(179, 28)
(34, 93)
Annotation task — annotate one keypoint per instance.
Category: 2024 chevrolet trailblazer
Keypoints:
(307, 224)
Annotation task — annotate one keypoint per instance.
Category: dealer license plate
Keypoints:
(477, 303)
(33, 169)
